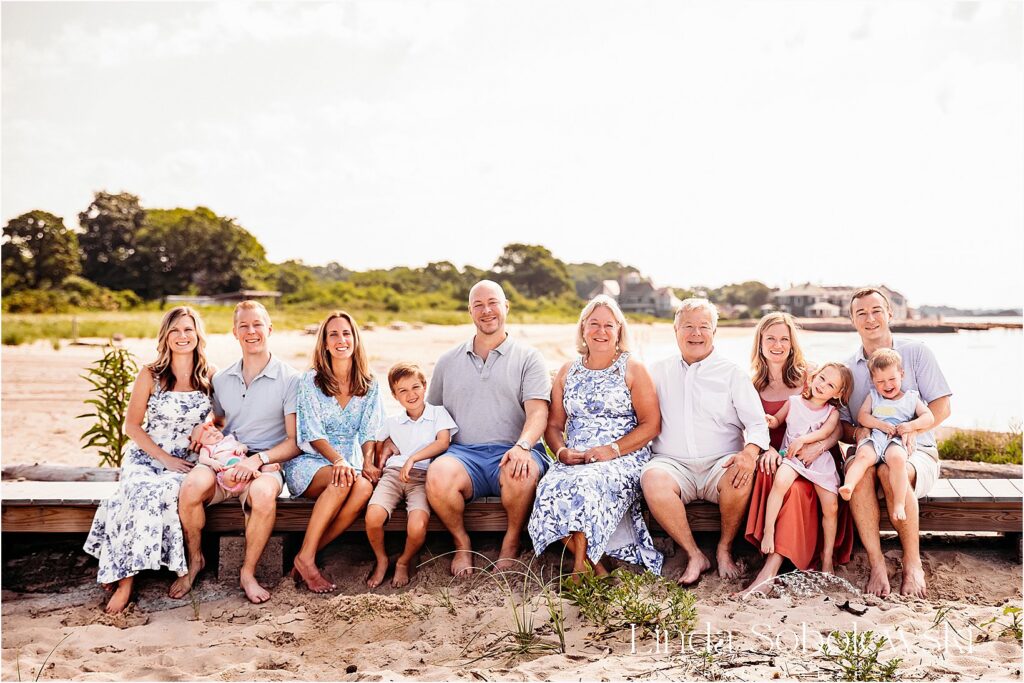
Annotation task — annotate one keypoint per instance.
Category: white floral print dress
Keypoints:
(138, 527)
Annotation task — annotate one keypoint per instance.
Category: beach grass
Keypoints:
(1000, 448)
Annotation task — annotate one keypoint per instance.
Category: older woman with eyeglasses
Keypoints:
(604, 414)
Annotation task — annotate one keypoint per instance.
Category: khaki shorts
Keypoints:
(697, 479)
(221, 494)
(390, 490)
(925, 460)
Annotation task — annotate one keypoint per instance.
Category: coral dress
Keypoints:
(798, 535)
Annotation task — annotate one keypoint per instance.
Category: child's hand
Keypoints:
(890, 429)
(773, 422)
(794, 448)
(406, 469)
(241, 449)
(904, 428)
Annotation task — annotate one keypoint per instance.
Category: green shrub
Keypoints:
(857, 656)
(111, 378)
(994, 447)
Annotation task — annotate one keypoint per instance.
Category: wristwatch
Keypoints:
(524, 444)
(264, 458)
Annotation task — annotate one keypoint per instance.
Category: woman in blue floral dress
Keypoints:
(604, 414)
(138, 527)
(339, 414)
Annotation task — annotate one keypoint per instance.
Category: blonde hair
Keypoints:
(795, 367)
(883, 359)
(622, 343)
(250, 305)
(844, 391)
(359, 380)
(400, 371)
(697, 304)
(161, 367)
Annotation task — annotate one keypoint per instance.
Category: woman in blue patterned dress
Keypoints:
(138, 527)
(339, 412)
(604, 414)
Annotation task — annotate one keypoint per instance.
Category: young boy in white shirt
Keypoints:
(414, 436)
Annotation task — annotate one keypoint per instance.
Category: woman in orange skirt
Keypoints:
(780, 371)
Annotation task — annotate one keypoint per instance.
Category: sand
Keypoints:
(438, 629)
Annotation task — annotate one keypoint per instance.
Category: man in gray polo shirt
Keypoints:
(497, 390)
(254, 400)
(871, 313)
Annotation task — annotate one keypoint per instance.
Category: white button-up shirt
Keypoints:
(709, 409)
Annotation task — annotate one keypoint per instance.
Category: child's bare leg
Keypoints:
(416, 534)
(864, 458)
(784, 478)
(272, 467)
(899, 480)
(829, 516)
(376, 516)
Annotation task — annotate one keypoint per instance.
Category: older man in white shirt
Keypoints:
(712, 430)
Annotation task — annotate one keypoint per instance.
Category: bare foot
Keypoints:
(253, 590)
(827, 568)
(379, 570)
(119, 600)
(507, 556)
(462, 563)
(727, 569)
(768, 544)
(762, 583)
(846, 492)
(109, 587)
(913, 582)
(181, 587)
(401, 574)
(878, 582)
(899, 512)
(697, 565)
(311, 576)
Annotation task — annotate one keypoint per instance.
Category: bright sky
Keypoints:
(703, 142)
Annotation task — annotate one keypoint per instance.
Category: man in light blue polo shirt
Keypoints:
(871, 313)
(497, 390)
(254, 400)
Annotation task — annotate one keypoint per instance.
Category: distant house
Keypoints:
(637, 294)
(227, 299)
(803, 301)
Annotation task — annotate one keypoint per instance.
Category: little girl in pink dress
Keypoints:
(810, 416)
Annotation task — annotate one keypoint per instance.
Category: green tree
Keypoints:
(110, 227)
(196, 250)
(533, 270)
(292, 276)
(38, 252)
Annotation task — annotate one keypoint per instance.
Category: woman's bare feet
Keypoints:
(697, 565)
(310, 575)
(402, 573)
(827, 568)
(121, 597)
(181, 587)
(379, 570)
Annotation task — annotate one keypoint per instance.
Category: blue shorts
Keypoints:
(481, 463)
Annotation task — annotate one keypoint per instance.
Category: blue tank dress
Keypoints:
(600, 499)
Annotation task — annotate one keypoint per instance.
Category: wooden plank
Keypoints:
(52, 492)
(970, 490)
(942, 491)
(1002, 490)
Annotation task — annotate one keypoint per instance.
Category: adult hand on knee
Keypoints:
(743, 465)
(518, 462)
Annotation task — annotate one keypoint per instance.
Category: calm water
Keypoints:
(984, 369)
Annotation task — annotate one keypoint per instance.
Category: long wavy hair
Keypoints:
(161, 367)
(360, 378)
(795, 367)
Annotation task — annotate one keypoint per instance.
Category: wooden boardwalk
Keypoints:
(54, 507)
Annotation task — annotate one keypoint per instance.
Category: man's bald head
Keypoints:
(488, 307)
(486, 289)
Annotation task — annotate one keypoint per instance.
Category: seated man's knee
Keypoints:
(263, 494)
(441, 472)
(197, 485)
